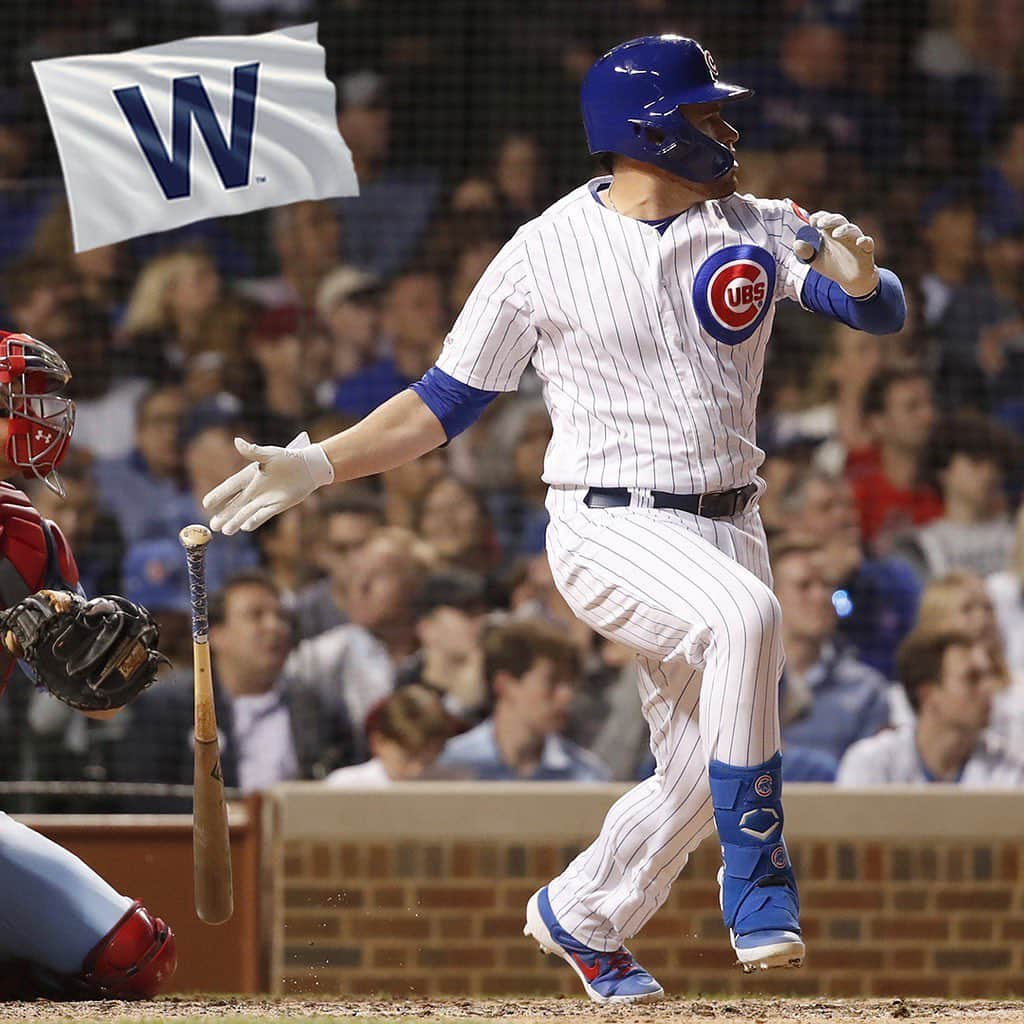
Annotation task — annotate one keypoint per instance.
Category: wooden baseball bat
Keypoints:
(211, 847)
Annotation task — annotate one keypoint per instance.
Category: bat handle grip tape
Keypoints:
(196, 560)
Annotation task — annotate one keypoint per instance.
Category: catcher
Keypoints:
(64, 932)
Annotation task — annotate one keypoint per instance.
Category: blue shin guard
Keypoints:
(760, 904)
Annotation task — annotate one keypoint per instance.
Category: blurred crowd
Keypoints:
(408, 625)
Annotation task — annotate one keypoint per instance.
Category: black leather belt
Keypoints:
(713, 505)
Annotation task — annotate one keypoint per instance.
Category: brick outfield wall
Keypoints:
(444, 916)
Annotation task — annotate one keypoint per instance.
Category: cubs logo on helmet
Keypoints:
(733, 291)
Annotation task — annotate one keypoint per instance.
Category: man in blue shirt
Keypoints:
(829, 699)
(532, 672)
(132, 487)
(875, 598)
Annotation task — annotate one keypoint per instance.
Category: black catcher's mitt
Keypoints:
(94, 655)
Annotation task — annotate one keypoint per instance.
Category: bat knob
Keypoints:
(812, 236)
(195, 536)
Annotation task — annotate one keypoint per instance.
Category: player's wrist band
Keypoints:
(870, 295)
(320, 468)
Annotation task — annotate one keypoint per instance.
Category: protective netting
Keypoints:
(892, 461)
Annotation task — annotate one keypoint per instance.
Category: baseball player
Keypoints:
(64, 932)
(644, 300)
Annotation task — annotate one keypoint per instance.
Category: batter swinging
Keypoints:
(644, 301)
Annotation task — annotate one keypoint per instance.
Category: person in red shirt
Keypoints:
(890, 495)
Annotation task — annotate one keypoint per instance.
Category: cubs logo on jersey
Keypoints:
(733, 291)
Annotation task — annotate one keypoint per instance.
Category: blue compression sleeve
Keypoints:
(882, 313)
(455, 404)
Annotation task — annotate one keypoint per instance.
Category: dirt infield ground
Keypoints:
(518, 1011)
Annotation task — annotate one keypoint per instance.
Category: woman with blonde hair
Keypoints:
(176, 312)
(959, 601)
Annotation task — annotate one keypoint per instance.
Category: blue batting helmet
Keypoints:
(631, 99)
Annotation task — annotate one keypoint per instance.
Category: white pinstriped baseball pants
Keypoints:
(693, 598)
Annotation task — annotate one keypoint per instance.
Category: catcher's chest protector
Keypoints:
(33, 552)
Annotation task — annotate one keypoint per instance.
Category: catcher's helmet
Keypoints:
(631, 99)
(39, 418)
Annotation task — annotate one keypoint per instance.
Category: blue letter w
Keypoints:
(189, 99)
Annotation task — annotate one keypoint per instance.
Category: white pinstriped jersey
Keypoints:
(650, 346)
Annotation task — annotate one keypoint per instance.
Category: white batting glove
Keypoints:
(275, 480)
(846, 254)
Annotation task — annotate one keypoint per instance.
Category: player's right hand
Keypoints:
(275, 480)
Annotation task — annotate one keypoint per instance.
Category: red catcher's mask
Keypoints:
(39, 418)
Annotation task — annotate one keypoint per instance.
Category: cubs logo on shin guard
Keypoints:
(759, 897)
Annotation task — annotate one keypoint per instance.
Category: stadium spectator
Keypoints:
(383, 226)
(981, 336)
(959, 601)
(348, 518)
(806, 85)
(974, 534)
(828, 698)
(470, 263)
(274, 727)
(34, 291)
(176, 311)
(532, 672)
(453, 519)
(348, 303)
(355, 664)
(1006, 592)
(105, 402)
(950, 234)
(305, 237)
(887, 477)
(208, 453)
(405, 486)
(414, 322)
(520, 516)
(1002, 180)
(154, 574)
(605, 717)
(518, 174)
(283, 550)
(406, 733)
(100, 273)
(132, 487)
(875, 598)
(533, 595)
(949, 679)
(291, 369)
(450, 610)
(92, 532)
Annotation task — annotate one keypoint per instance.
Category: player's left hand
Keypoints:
(847, 255)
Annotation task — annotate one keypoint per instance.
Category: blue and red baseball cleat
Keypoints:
(612, 977)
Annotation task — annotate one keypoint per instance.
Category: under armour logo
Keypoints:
(44, 436)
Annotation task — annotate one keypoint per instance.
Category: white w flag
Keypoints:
(154, 138)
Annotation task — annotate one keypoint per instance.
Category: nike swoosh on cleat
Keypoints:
(590, 971)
